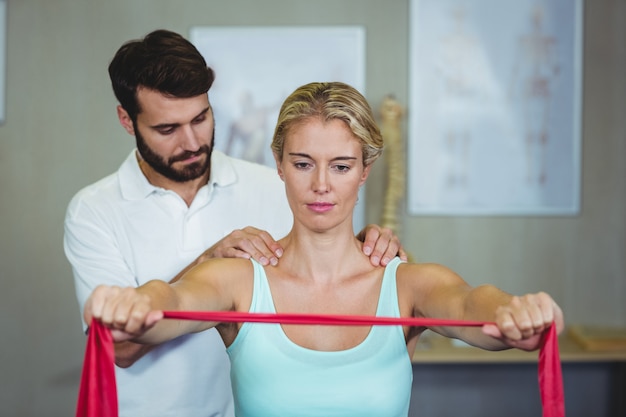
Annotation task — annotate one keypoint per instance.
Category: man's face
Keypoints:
(175, 135)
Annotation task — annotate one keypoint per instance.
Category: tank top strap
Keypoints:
(262, 301)
(388, 300)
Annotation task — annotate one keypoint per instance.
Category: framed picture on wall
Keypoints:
(256, 68)
(495, 107)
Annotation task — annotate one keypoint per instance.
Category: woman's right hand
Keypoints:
(126, 311)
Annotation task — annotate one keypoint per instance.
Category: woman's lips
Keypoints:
(320, 207)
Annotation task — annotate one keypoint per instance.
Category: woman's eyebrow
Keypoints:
(338, 158)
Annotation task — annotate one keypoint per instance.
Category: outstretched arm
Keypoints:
(135, 313)
(519, 321)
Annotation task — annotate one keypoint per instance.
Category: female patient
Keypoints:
(325, 143)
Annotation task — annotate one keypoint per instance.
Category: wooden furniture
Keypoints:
(433, 348)
(450, 379)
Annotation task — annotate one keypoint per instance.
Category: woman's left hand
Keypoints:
(520, 323)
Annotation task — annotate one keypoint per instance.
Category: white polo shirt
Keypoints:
(124, 231)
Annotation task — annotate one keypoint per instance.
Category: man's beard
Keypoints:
(165, 168)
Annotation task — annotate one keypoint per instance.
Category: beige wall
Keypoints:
(61, 133)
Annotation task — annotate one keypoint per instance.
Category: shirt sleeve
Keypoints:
(93, 249)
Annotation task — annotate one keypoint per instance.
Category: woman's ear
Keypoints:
(279, 168)
(125, 120)
(365, 174)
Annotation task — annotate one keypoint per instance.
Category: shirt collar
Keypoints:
(135, 186)
(222, 171)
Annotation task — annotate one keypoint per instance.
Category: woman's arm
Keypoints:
(519, 321)
(135, 313)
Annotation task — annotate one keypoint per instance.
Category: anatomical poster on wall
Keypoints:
(495, 107)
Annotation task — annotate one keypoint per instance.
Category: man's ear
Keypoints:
(125, 120)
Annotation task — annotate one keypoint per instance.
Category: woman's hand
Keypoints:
(126, 311)
(521, 322)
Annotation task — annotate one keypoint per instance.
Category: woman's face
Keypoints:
(322, 168)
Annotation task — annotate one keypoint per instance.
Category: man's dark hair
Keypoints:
(163, 61)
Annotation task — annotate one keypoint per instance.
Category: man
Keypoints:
(171, 199)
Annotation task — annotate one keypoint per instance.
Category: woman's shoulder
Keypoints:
(423, 273)
(421, 268)
(229, 278)
(224, 268)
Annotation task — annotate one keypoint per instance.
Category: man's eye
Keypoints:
(166, 131)
(199, 119)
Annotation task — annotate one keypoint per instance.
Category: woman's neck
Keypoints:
(322, 256)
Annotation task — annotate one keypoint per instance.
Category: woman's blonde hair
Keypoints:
(328, 101)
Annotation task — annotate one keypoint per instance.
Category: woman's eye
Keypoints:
(301, 165)
(342, 168)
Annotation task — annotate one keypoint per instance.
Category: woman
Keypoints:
(325, 143)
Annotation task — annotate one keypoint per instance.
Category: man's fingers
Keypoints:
(249, 242)
(267, 249)
(256, 248)
(393, 249)
(380, 244)
(386, 247)
(369, 236)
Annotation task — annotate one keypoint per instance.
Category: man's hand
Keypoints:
(247, 243)
(381, 245)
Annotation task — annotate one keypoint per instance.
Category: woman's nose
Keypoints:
(321, 184)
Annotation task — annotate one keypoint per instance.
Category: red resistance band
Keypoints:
(97, 395)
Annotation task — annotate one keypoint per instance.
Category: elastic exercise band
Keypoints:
(97, 395)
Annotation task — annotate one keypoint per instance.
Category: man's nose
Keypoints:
(189, 141)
